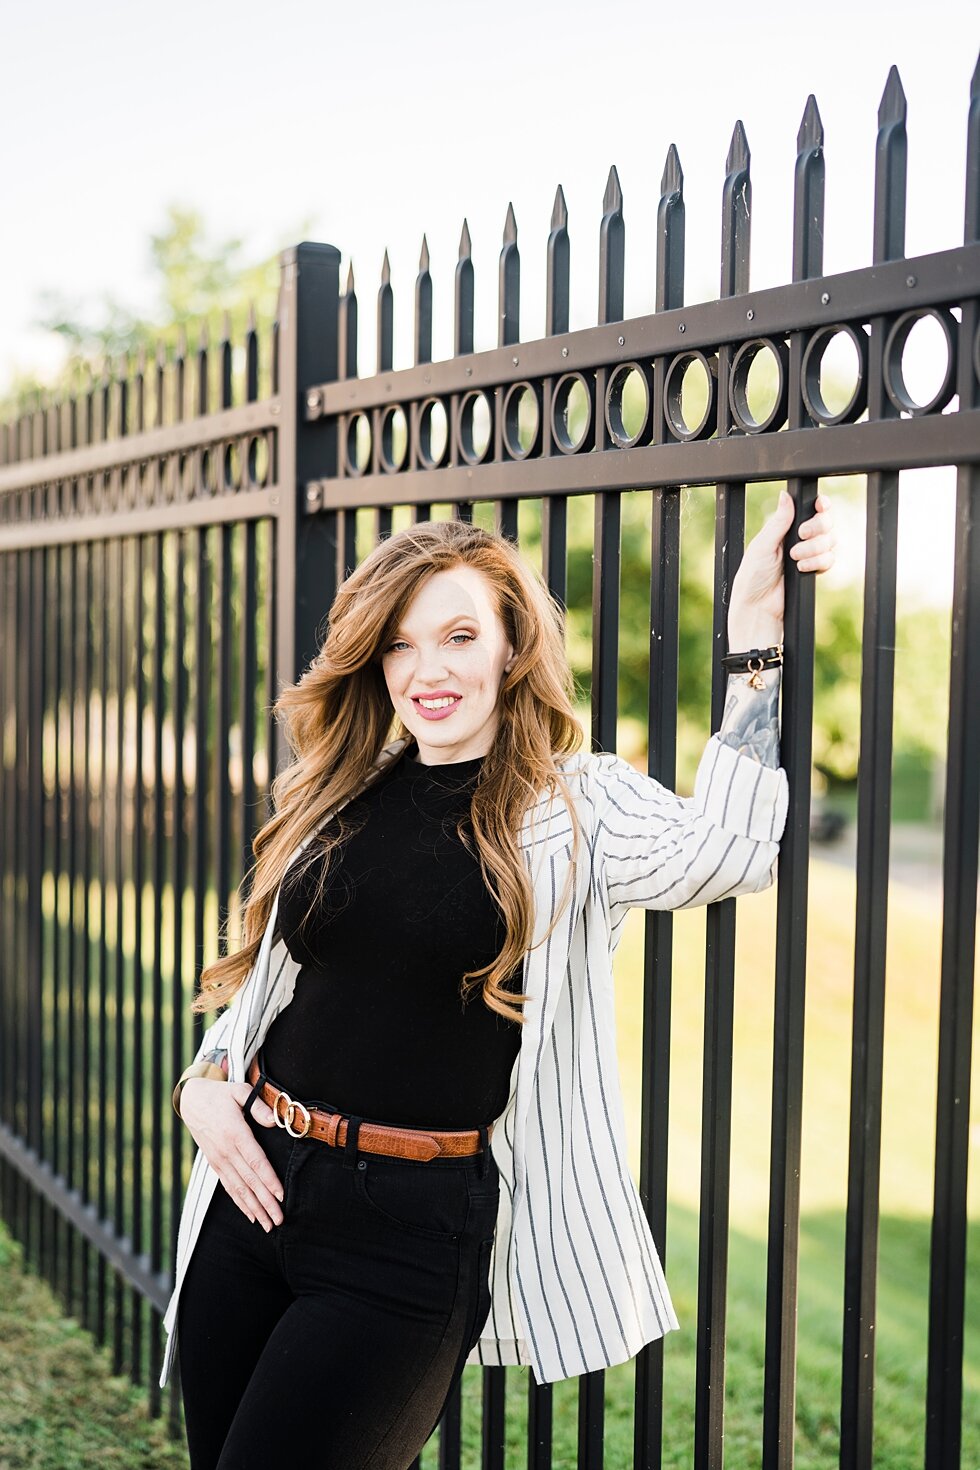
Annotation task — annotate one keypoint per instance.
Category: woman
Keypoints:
(412, 1101)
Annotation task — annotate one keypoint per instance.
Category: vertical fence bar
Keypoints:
(85, 621)
(138, 1181)
(662, 765)
(50, 934)
(204, 636)
(608, 504)
(796, 748)
(102, 601)
(605, 656)
(70, 558)
(122, 1101)
(509, 284)
(508, 332)
(873, 838)
(554, 569)
(719, 974)
(347, 330)
(35, 914)
(423, 307)
(178, 884)
(77, 894)
(463, 284)
(8, 882)
(158, 868)
(961, 828)
(18, 807)
(305, 550)
(54, 1079)
(23, 810)
(222, 777)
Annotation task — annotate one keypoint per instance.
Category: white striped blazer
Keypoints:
(576, 1281)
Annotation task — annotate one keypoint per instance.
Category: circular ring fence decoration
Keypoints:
(673, 394)
(738, 385)
(522, 420)
(572, 399)
(895, 385)
(432, 436)
(166, 474)
(188, 478)
(393, 448)
(813, 357)
(474, 427)
(258, 461)
(232, 465)
(209, 472)
(628, 381)
(357, 444)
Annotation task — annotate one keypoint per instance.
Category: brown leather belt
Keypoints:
(301, 1121)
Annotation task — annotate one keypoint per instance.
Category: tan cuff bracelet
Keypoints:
(196, 1069)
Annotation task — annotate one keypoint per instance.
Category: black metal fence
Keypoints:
(166, 557)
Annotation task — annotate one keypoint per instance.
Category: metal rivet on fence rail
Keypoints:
(312, 400)
(911, 281)
(825, 298)
(681, 327)
(750, 315)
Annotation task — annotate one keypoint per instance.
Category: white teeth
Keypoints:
(436, 703)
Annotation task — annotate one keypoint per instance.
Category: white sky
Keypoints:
(377, 122)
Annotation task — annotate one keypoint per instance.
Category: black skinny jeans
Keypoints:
(333, 1340)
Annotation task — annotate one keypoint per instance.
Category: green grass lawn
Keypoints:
(64, 1410)
(59, 1407)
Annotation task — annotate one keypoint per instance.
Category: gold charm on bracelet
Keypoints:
(755, 679)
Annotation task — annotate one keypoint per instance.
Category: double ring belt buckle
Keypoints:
(292, 1107)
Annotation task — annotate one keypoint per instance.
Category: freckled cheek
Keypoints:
(477, 678)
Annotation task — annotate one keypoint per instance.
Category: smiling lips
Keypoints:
(436, 706)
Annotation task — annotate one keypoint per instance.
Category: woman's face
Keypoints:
(445, 665)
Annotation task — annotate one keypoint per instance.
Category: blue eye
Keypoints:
(400, 643)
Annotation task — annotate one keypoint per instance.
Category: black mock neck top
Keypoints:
(377, 1024)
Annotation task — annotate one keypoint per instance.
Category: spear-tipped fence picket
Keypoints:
(167, 556)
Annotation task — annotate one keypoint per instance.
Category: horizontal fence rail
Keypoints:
(167, 558)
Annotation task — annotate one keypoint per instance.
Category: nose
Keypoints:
(431, 666)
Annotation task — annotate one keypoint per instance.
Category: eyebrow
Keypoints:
(462, 617)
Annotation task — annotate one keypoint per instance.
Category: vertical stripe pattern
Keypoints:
(576, 1280)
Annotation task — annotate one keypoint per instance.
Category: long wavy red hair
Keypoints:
(338, 716)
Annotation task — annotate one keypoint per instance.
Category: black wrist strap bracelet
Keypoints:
(753, 661)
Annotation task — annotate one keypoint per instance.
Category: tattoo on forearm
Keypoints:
(750, 724)
(216, 1055)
